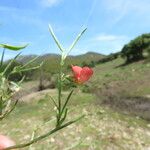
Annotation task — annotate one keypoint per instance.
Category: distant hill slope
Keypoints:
(78, 58)
(112, 74)
(51, 61)
(27, 58)
(123, 87)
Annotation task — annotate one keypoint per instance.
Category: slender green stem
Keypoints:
(66, 102)
(62, 109)
(54, 102)
(44, 135)
(9, 111)
(59, 89)
(2, 58)
(1, 105)
(32, 137)
(59, 92)
(9, 64)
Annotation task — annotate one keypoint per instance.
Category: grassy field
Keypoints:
(123, 87)
(102, 128)
(135, 76)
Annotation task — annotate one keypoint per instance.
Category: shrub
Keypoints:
(133, 51)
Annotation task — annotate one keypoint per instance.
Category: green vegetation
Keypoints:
(134, 50)
(115, 92)
(123, 88)
(101, 128)
(114, 74)
(51, 67)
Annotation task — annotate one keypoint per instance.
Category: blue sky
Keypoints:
(110, 23)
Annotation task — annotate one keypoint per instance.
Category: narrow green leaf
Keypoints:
(20, 69)
(35, 140)
(10, 63)
(2, 58)
(9, 111)
(76, 40)
(21, 81)
(65, 115)
(67, 100)
(32, 137)
(55, 39)
(14, 48)
(31, 61)
(54, 101)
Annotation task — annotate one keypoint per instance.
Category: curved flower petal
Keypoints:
(86, 73)
(76, 70)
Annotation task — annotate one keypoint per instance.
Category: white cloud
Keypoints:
(78, 51)
(108, 43)
(49, 3)
(107, 37)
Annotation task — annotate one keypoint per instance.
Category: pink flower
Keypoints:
(5, 142)
(81, 75)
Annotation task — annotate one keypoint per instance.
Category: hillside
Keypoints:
(126, 88)
(51, 61)
(87, 57)
(122, 87)
(116, 88)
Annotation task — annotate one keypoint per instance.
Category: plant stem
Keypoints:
(2, 116)
(1, 105)
(44, 135)
(59, 92)
(2, 58)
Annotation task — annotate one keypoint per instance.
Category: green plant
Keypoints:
(134, 50)
(8, 87)
(62, 107)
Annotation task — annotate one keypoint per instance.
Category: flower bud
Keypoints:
(81, 75)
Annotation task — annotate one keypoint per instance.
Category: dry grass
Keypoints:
(101, 129)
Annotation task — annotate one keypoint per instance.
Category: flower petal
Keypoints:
(76, 70)
(85, 74)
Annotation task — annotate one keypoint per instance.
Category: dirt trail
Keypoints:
(36, 95)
